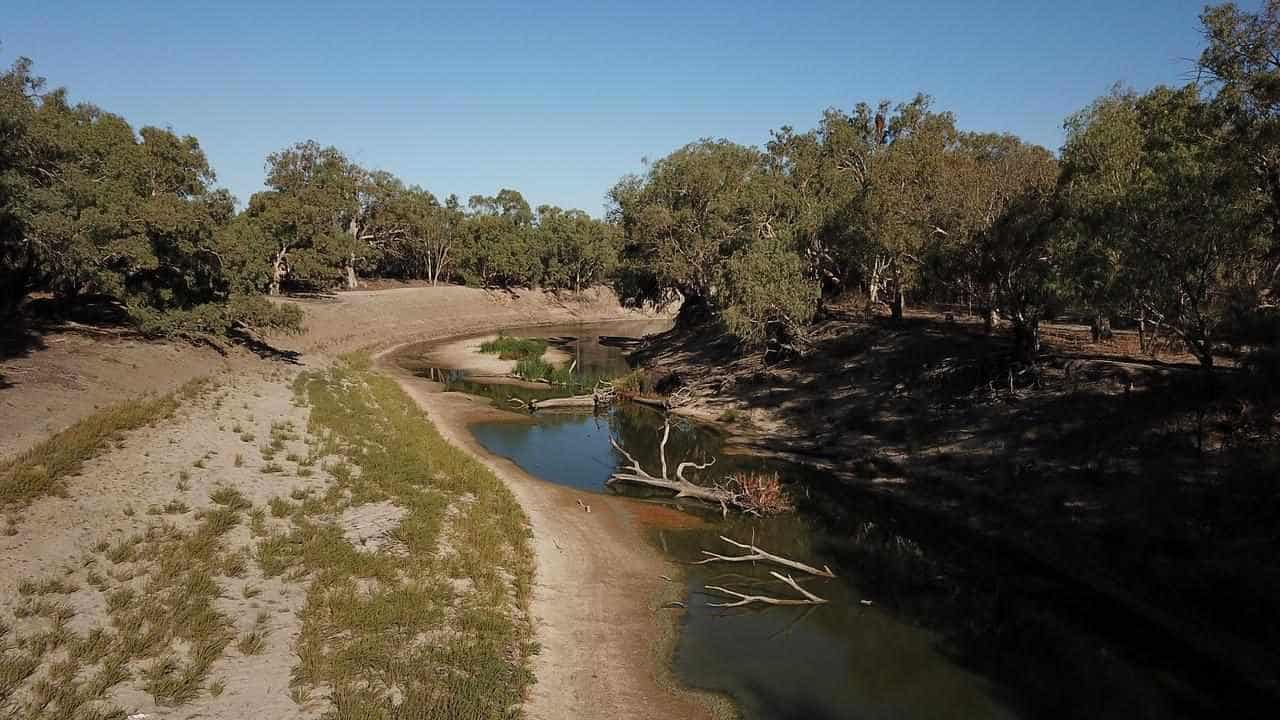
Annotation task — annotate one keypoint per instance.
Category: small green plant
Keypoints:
(247, 437)
(43, 469)
(258, 522)
(231, 498)
(198, 463)
(271, 467)
(514, 348)
(239, 461)
(280, 507)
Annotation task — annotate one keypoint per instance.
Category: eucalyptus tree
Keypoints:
(828, 175)
(1241, 63)
(907, 207)
(409, 233)
(1100, 161)
(685, 218)
(499, 247)
(715, 223)
(1003, 226)
(93, 207)
(23, 160)
(1199, 231)
(309, 217)
(576, 250)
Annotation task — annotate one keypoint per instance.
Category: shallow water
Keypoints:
(923, 621)
(840, 660)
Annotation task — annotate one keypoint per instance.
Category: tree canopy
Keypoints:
(1161, 209)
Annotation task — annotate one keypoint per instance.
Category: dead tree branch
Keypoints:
(681, 486)
(750, 496)
(745, 599)
(756, 554)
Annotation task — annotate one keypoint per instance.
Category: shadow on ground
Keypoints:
(1130, 497)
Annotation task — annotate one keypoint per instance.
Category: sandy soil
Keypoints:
(603, 637)
(76, 372)
(597, 592)
(465, 352)
(149, 468)
(365, 319)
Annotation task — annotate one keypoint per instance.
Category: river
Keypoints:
(921, 621)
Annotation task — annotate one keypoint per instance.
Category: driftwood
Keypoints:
(732, 492)
(669, 402)
(756, 554)
(602, 395)
(745, 599)
(678, 484)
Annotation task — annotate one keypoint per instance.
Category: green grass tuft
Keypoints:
(514, 348)
(43, 469)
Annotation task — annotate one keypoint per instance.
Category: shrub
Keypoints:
(513, 348)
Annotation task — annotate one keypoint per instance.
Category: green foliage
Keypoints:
(362, 605)
(575, 250)
(93, 207)
(514, 348)
(766, 294)
(686, 217)
(218, 319)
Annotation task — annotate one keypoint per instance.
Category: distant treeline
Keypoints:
(1162, 209)
(88, 207)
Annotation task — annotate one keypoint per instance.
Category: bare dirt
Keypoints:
(72, 373)
(603, 638)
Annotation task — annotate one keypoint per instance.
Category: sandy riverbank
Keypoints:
(598, 583)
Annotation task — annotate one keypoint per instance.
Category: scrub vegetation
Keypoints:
(44, 468)
(433, 618)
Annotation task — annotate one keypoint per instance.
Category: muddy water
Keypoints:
(921, 622)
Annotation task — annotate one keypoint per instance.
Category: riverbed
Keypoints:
(920, 622)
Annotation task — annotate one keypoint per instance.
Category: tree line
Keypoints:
(1162, 209)
(91, 207)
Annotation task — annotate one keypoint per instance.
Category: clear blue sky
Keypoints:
(560, 99)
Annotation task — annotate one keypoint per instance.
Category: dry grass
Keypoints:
(43, 469)
(163, 627)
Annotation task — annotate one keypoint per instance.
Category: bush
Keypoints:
(513, 348)
(216, 319)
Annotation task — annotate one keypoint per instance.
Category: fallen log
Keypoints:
(602, 395)
(564, 402)
(746, 599)
(756, 554)
(681, 486)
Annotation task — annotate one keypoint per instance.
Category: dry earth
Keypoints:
(597, 582)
